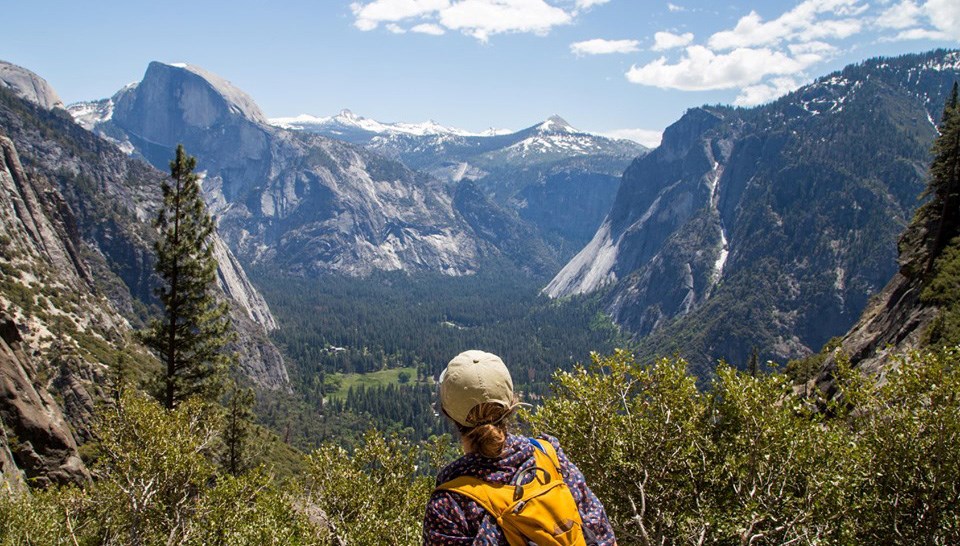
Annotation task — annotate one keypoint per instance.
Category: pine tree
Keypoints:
(944, 183)
(754, 366)
(191, 335)
(237, 429)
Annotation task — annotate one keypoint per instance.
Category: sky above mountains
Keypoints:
(623, 68)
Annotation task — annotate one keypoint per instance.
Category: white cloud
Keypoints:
(903, 15)
(701, 69)
(820, 48)
(753, 95)
(945, 16)
(807, 21)
(675, 8)
(668, 40)
(395, 28)
(604, 47)
(920, 34)
(587, 4)
(370, 15)
(647, 137)
(761, 59)
(483, 18)
(932, 20)
(478, 18)
(429, 28)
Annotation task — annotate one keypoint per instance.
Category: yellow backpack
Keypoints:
(542, 512)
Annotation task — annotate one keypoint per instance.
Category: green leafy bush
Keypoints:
(750, 462)
(746, 461)
(377, 495)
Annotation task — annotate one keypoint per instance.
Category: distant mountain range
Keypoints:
(768, 228)
(300, 201)
(764, 228)
(358, 129)
(553, 175)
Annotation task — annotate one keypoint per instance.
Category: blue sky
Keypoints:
(624, 67)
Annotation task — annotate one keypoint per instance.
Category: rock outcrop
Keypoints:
(36, 432)
(110, 201)
(29, 86)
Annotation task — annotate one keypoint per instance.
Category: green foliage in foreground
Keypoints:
(749, 462)
(745, 462)
(159, 482)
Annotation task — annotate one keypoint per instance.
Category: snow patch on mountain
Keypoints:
(89, 114)
(827, 95)
(348, 119)
(575, 144)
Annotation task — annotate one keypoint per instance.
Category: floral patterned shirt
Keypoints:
(452, 519)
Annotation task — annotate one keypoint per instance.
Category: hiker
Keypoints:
(542, 498)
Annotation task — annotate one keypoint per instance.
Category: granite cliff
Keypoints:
(291, 200)
(76, 263)
(769, 227)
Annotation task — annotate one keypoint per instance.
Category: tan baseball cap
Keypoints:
(471, 378)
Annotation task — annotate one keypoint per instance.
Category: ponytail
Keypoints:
(489, 437)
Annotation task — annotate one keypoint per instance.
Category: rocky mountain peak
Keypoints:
(173, 98)
(770, 227)
(236, 99)
(556, 124)
(27, 85)
(348, 114)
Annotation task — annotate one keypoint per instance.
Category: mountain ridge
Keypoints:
(303, 202)
(783, 216)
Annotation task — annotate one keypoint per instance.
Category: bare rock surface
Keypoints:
(27, 85)
(38, 436)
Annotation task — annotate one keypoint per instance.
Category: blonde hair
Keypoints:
(489, 436)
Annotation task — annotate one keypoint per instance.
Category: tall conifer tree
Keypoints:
(944, 183)
(191, 336)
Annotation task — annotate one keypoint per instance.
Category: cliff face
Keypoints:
(36, 433)
(770, 227)
(297, 201)
(112, 201)
(39, 264)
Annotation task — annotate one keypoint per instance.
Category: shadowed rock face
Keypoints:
(768, 227)
(897, 320)
(37, 434)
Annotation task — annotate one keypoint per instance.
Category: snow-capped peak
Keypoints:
(348, 119)
(556, 124)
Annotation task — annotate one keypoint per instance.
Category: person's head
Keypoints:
(476, 393)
